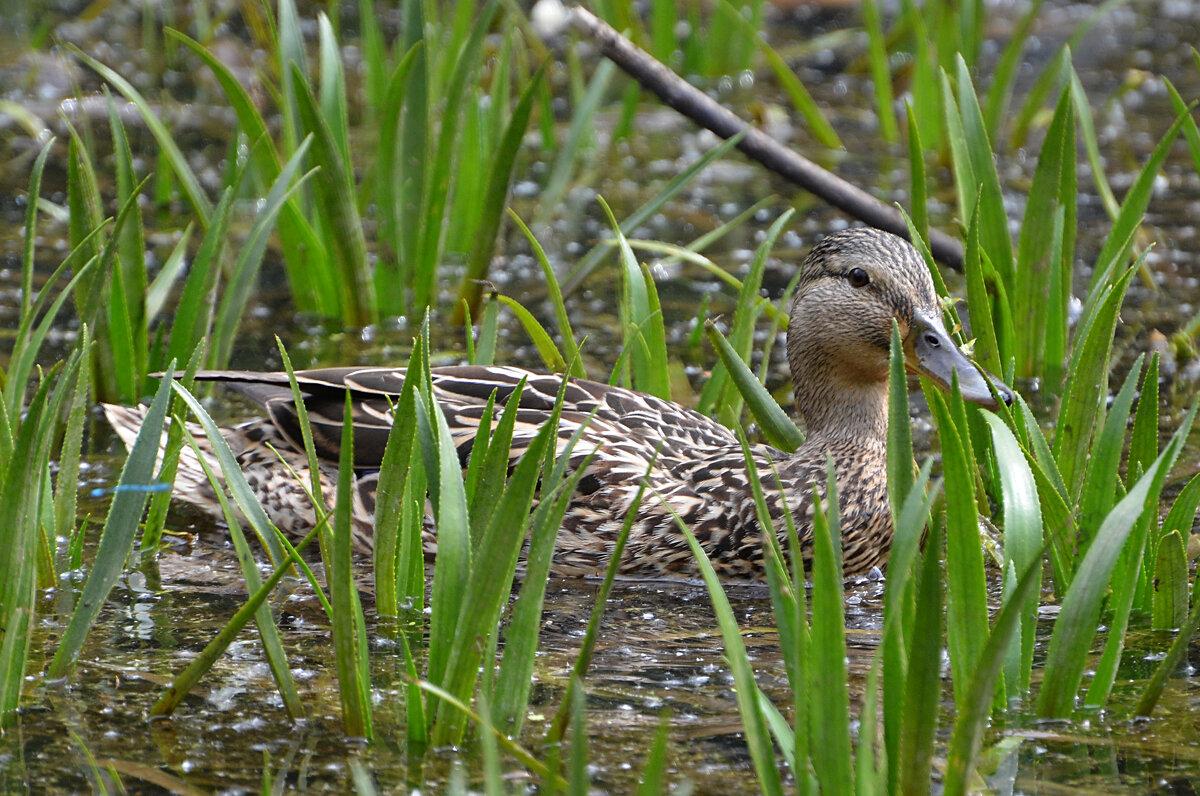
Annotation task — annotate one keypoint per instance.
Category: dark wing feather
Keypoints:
(612, 413)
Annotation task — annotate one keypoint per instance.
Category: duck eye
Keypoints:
(858, 277)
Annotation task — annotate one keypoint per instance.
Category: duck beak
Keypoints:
(930, 351)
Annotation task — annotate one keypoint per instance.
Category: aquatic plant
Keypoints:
(1082, 500)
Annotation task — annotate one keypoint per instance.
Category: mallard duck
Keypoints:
(854, 283)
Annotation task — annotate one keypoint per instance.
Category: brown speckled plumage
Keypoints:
(854, 283)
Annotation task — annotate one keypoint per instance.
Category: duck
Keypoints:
(854, 284)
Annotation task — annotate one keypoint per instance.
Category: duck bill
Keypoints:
(930, 351)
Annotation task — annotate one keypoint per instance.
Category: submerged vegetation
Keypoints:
(384, 191)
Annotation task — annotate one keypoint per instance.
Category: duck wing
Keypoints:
(622, 422)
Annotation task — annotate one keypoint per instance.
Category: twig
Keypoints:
(697, 106)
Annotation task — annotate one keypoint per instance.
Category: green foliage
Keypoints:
(431, 167)
(118, 535)
(27, 445)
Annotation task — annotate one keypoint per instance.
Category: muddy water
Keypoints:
(659, 655)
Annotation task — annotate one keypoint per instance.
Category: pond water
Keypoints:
(659, 653)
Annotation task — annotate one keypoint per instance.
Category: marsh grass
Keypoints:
(1081, 502)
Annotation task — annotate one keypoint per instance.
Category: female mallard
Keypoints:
(854, 284)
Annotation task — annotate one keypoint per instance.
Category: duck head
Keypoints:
(853, 284)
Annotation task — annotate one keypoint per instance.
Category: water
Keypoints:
(659, 653)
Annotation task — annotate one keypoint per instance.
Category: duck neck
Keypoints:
(854, 412)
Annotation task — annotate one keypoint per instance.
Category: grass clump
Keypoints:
(365, 232)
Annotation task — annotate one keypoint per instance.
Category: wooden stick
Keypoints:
(700, 108)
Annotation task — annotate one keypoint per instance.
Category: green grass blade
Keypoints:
(869, 772)
(393, 275)
(586, 649)
(1101, 479)
(918, 185)
(394, 473)
(69, 457)
(975, 710)
(899, 439)
(922, 687)
(717, 397)
(1023, 545)
(645, 334)
(453, 566)
(332, 90)
(304, 253)
(245, 272)
(414, 134)
(186, 680)
(437, 189)
(162, 136)
(785, 738)
(1055, 349)
(160, 503)
(159, 290)
(1143, 438)
(247, 502)
(485, 353)
(910, 524)
(491, 578)
(128, 317)
(776, 426)
(881, 73)
(926, 99)
(290, 51)
(1183, 510)
(117, 536)
(1059, 522)
(966, 588)
(981, 277)
(514, 681)
(338, 201)
(993, 223)
(28, 310)
(1087, 384)
(349, 630)
(754, 725)
(1169, 611)
(577, 762)
(509, 745)
(268, 632)
(1076, 625)
(559, 178)
(21, 492)
(550, 354)
(1035, 253)
(499, 179)
(1054, 74)
(23, 357)
(1134, 567)
(489, 462)
(570, 349)
(653, 780)
(786, 599)
(1191, 132)
(195, 309)
(1175, 655)
(830, 704)
(1091, 143)
(32, 198)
